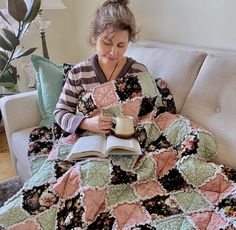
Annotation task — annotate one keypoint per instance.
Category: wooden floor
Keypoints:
(7, 170)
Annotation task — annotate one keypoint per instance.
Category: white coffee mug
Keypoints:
(124, 126)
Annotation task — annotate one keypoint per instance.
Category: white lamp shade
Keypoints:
(52, 5)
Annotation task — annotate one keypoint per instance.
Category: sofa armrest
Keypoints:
(20, 111)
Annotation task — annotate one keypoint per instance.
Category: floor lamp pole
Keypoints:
(44, 44)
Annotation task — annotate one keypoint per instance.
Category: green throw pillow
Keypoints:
(49, 78)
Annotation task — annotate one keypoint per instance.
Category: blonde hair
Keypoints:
(113, 14)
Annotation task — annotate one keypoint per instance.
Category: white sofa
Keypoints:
(203, 82)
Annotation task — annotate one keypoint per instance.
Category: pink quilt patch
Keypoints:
(94, 201)
(53, 153)
(68, 184)
(27, 225)
(217, 189)
(105, 95)
(132, 108)
(208, 220)
(164, 120)
(165, 161)
(70, 140)
(149, 189)
(128, 215)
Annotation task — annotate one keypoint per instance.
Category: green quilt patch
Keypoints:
(12, 213)
(206, 146)
(94, 173)
(177, 131)
(120, 193)
(191, 201)
(195, 171)
(125, 162)
(47, 219)
(146, 170)
(153, 132)
(178, 223)
(112, 111)
(63, 151)
(148, 86)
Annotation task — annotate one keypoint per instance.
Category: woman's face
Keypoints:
(111, 46)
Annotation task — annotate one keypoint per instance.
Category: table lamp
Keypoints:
(42, 23)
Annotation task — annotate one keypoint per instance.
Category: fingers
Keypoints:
(105, 131)
(99, 124)
(105, 124)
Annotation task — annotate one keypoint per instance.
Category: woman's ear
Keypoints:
(93, 41)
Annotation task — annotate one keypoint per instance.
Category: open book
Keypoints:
(101, 146)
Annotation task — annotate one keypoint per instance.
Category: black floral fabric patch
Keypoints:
(119, 176)
(70, 214)
(104, 221)
(161, 206)
(38, 199)
(128, 87)
(173, 181)
(62, 166)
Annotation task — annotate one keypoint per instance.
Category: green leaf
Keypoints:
(5, 44)
(24, 53)
(3, 16)
(3, 55)
(11, 37)
(2, 64)
(14, 73)
(7, 77)
(33, 11)
(10, 75)
(17, 9)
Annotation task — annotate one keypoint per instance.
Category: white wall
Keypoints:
(208, 23)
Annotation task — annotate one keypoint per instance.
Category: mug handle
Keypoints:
(113, 121)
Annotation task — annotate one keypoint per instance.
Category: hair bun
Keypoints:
(121, 2)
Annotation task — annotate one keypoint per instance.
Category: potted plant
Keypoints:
(21, 13)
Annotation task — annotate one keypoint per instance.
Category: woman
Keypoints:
(112, 28)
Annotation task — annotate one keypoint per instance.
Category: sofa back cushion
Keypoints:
(212, 104)
(178, 67)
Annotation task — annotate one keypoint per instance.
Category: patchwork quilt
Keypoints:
(173, 185)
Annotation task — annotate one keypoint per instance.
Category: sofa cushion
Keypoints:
(50, 79)
(179, 67)
(212, 104)
(19, 141)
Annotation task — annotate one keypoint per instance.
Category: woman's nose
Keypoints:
(113, 51)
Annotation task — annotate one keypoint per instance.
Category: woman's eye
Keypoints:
(107, 43)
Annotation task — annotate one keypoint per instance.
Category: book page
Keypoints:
(113, 141)
(119, 146)
(88, 146)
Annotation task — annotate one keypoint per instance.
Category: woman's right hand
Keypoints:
(97, 124)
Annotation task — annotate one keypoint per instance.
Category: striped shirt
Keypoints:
(83, 77)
